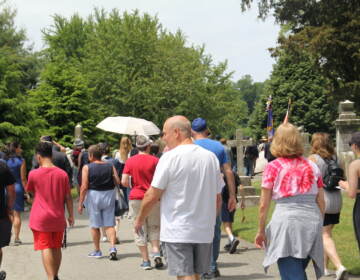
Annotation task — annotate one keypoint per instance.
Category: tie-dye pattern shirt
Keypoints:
(292, 176)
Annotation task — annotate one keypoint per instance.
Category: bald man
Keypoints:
(189, 183)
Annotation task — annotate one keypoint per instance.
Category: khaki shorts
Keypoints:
(152, 223)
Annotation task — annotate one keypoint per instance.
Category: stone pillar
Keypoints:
(346, 124)
(78, 132)
(239, 153)
(306, 141)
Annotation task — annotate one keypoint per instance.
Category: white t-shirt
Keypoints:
(190, 177)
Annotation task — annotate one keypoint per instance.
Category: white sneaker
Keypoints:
(104, 239)
(327, 272)
(341, 273)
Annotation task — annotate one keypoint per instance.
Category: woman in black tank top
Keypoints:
(98, 183)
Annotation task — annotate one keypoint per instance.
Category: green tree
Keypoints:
(18, 72)
(249, 91)
(329, 31)
(296, 78)
(129, 65)
(63, 99)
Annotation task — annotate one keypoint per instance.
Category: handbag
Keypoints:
(121, 206)
(333, 202)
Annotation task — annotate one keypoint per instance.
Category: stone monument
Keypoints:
(247, 192)
(346, 124)
(78, 132)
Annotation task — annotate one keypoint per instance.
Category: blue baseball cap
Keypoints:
(198, 125)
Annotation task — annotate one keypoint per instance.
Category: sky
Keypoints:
(227, 33)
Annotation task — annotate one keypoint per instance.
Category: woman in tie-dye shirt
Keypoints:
(293, 236)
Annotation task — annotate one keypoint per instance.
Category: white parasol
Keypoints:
(128, 125)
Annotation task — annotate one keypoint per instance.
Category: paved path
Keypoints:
(23, 263)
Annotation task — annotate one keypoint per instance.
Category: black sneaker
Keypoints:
(211, 275)
(234, 243)
(113, 254)
(158, 262)
(227, 247)
(2, 275)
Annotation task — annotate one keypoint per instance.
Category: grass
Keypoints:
(74, 193)
(343, 233)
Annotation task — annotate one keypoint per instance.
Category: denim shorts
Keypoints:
(100, 206)
(226, 215)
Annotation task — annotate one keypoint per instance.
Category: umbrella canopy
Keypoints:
(128, 125)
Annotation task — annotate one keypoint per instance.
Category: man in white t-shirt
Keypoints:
(189, 183)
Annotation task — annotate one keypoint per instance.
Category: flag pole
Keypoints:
(270, 121)
(286, 119)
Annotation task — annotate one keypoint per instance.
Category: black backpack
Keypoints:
(333, 175)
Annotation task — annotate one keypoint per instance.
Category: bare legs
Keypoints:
(191, 277)
(329, 247)
(228, 230)
(51, 259)
(155, 245)
(17, 224)
(144, 252)
(110, 233)
(95, 234)
(116, 229)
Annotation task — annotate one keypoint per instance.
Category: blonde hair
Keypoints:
(125, 148)
(287, 142)
(321, 144)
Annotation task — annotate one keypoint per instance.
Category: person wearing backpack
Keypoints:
(323, 155)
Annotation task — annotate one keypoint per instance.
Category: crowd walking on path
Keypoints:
(178, 196)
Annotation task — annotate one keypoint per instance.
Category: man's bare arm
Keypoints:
(125, 180)
(70, 209)
(84, 187)
(231, 185)
(10, 194)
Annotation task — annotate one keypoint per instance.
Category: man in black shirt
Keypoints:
(59, 159)
(6, 205)
(267, 154)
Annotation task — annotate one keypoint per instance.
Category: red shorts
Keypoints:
(47, 240)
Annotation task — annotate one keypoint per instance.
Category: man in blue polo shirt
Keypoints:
(200, 134)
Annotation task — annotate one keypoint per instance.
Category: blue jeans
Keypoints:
(292, 268)
(216, 244)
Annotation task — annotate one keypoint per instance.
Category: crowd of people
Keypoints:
(178, 196)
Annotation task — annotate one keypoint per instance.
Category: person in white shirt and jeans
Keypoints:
(189, 183)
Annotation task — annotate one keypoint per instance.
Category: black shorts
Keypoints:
(226, 215)
(331, 219)
(5, 232)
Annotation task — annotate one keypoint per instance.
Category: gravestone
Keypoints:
(346, 124)
(240, 145)
(248, 191)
